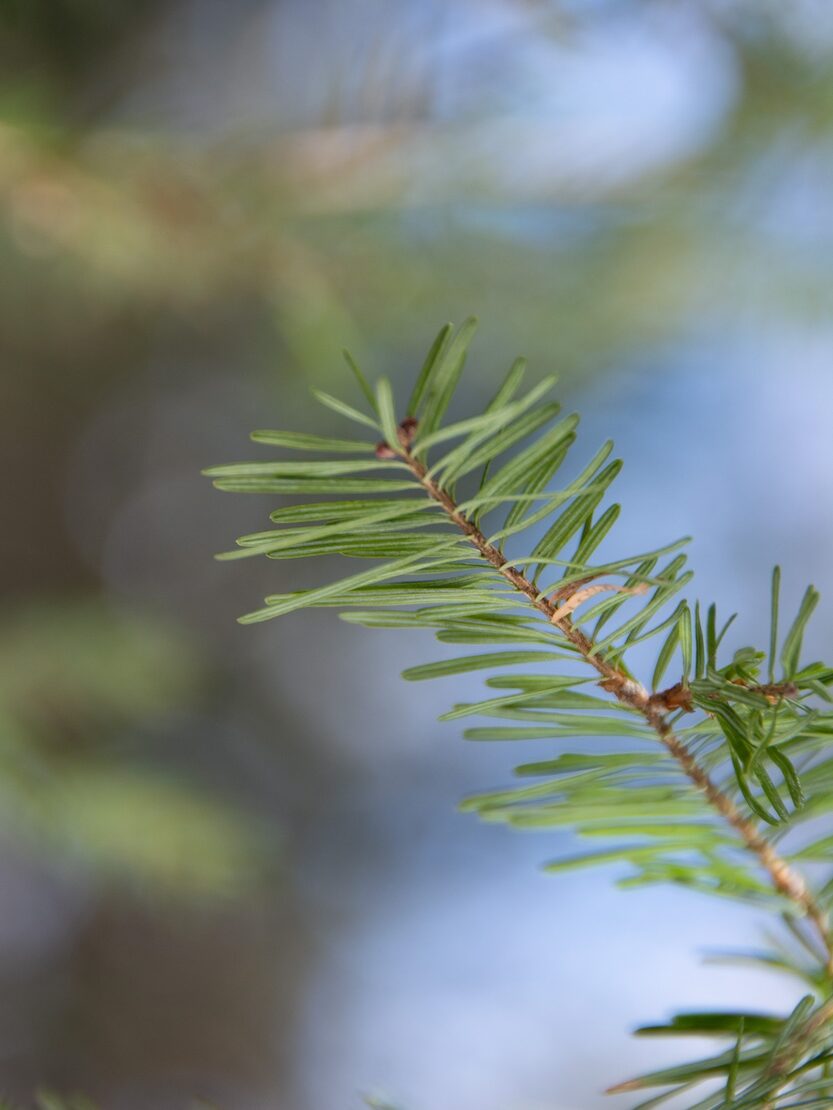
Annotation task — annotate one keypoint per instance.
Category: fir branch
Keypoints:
(785, 879)
(696, 811)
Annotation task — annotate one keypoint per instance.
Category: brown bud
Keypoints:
(678, 697)
(384, 452)
(406, 431)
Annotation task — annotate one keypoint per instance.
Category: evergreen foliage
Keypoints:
(719, 781)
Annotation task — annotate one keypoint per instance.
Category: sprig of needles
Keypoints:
(720, 781)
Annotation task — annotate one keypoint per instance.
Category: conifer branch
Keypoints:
(749, 730)
(784, 878)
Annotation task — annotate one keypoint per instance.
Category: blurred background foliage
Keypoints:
(200, 204)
